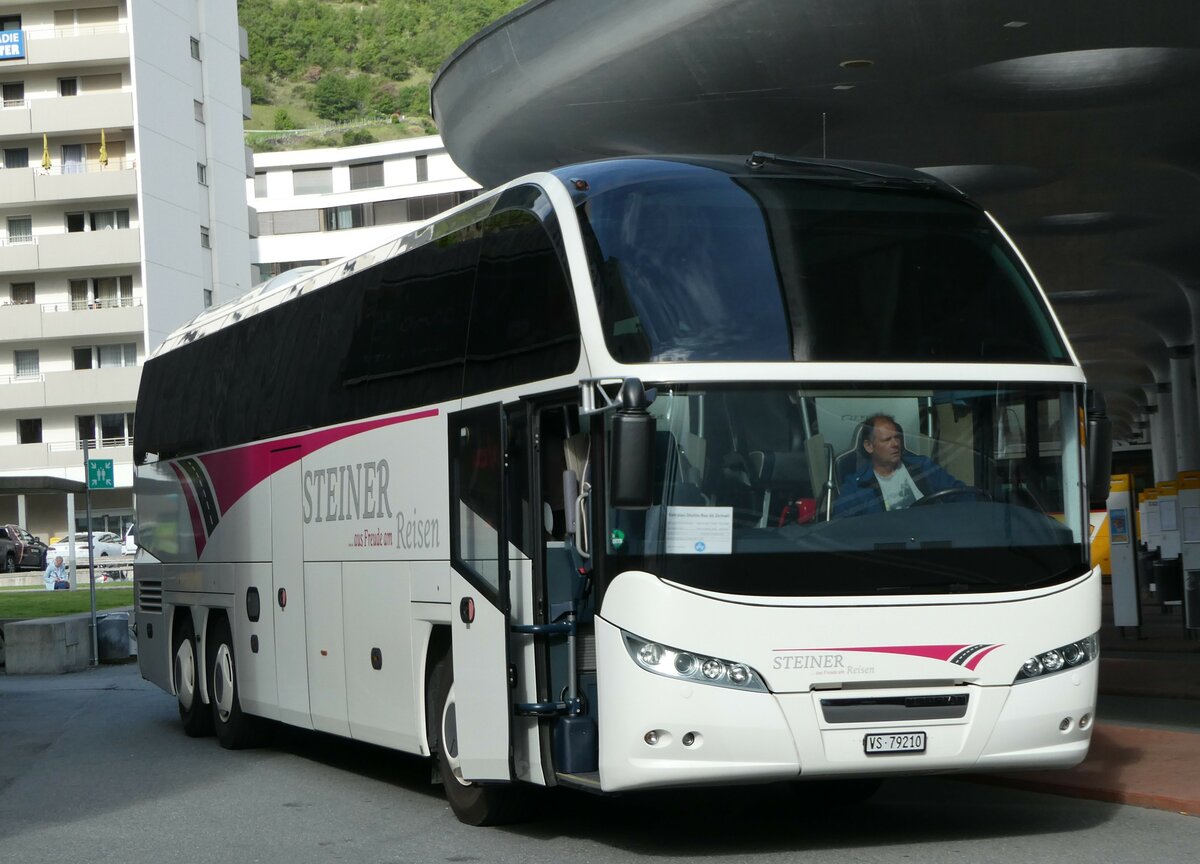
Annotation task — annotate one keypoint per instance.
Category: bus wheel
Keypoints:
(235, 730)
(472, 803)
(193, 713)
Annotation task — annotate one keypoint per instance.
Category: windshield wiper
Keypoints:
(877, 180)
(931, 588)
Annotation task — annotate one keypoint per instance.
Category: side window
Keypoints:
(412, 324)
(523, 321)
(477, 458)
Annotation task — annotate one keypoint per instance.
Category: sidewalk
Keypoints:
(1145, 749)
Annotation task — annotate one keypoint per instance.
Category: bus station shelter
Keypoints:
(44, 485)
(1074, 123)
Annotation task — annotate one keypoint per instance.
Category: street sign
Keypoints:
(100, 473)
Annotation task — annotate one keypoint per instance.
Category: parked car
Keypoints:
(21, 550)
(105, 543)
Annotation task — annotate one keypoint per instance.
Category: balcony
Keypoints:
(14, 118)
(23, 392)
(25, 322)
(102, 318)
(18, 256)
(89, 249)
(92, 386)
(91, 181)
(85, 111)
(16, 186)
(76, 46)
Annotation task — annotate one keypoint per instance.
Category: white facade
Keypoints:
(315, 206)
(122, 215)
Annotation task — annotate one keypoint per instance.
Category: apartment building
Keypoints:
(122, 216)
(315, 206)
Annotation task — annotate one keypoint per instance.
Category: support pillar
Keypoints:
(22, 519)
(1166, 422)
(1187, 418)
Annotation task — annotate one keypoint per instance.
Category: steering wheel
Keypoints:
(973, 492)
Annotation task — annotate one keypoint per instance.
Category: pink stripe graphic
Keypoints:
(974, 661)
(193, 509)
(235, 472)
(934, 652)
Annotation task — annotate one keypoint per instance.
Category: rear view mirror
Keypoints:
(1098, 453)
(632, 469)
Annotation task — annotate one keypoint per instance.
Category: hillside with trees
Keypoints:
(334, 72)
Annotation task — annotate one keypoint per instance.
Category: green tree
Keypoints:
(283, 120)
(335, 97)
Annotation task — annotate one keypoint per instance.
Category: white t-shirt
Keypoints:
(899, 490)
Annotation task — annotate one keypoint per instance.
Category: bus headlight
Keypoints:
(1059, 659)
(690, 666)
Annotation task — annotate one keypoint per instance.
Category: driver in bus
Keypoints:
(893, 478)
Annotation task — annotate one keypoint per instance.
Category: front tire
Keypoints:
(10, 564)
(472, 803)
(193, 713)
(235, 730)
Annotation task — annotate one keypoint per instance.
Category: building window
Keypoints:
(79, 293)
(291, 222)
(72, 159)
(113, 291)
(198, 110)
(350, 216)
(205, 243)
(29, 431)
(25, 364)
(82, 357)
(10, 22)
(107, 220)
(367, 175)
(422, 168)
(391, 212)
(20, 229)
(195, 48)
(208, 297)
(260, 184)
(76, 222)
(68, 86)
(312, 181)
(22, 293)
(16, 157)
(14, 94)
(111, 356)
(116, 430)
(202, 173)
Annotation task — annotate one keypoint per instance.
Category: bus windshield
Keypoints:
(794, 491)
(691, 263)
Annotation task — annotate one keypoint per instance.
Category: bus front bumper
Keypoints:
(658, 732)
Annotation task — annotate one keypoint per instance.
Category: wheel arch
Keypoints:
(437, 647)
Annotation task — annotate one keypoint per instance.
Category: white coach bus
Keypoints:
(641, 473)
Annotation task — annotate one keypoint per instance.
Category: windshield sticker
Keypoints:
(699, 530)
(618, 538)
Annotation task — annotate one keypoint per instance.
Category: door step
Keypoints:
(589, 782)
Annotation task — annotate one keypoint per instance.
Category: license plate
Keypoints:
(894, 742)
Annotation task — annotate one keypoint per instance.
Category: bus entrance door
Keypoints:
(479, 593)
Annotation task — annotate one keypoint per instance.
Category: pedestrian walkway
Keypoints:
(1146, 746)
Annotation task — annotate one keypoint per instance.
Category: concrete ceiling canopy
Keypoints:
(1075, 122)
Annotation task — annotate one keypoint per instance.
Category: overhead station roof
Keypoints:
(1077, 123)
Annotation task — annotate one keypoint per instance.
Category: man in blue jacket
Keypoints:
(894, 478)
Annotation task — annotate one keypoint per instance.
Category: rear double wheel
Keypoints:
(193, 713)
(235, 729)
(473, 803)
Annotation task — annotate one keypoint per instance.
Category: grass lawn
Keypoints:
(50, 604)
